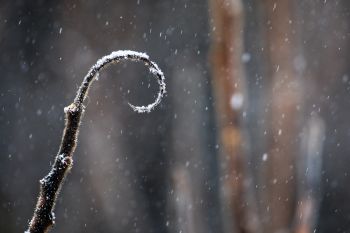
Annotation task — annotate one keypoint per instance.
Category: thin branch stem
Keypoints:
(50, 185)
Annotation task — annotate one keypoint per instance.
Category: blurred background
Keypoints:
(251, 137)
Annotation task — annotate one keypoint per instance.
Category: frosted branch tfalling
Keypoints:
(118, 56)
(50, 185)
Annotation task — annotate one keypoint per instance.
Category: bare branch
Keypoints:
(50, 185)
(116, 57)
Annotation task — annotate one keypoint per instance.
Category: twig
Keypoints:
(50, 185)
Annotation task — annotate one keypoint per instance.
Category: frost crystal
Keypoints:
(71, 109)
(53, 217)
(62, 159)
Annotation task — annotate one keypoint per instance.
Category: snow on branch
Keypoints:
(116, 57)
(50, 185)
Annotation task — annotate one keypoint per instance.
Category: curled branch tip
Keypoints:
(50, 185)
(118, 56)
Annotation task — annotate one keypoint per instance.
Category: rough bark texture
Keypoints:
(43, 217)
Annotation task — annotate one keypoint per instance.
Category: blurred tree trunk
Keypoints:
(183, 203)
(229, 87)
(309, 176)
(327, 45)
(283, 115)
(187, 152)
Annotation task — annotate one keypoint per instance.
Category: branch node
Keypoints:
(71, 109)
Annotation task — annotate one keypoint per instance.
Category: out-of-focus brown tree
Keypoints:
(286, 197)
(283, 114)
(229, 87)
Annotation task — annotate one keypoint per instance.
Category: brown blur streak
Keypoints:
(227, 46)
(283, 115)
